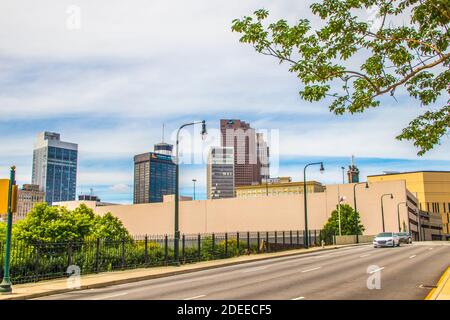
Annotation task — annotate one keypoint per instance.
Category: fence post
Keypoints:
(166, 250)
(237, 239)
(248, 242)
(183, 246)
(309, 237)
(258, 241)
(69, 254)
(315, 237)
(213, 245)
(298, 239)
(199, 247)
(97, 256)
(36, 261)
(267, 241)
(226, 244)
(146, 250)
(123, 253)
(290, 237)
(276, 240)
(284, 239)
(304, 238)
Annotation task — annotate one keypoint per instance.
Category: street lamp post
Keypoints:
(398, 214)
(5, 286)
(177, 174)
(354, 206)
(194, 181)
(306, 241)
(382, 208)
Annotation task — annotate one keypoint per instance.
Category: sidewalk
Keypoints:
(442, 291)
(90, 281)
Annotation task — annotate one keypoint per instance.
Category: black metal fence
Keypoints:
(41, 261)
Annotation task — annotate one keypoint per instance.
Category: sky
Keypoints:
(108, 74)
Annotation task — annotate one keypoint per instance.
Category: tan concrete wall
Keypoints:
(284, 212)
(339, 240)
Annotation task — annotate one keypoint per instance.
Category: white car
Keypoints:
(386, 239)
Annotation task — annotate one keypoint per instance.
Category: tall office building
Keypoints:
(27, 198)
(241, 137)
(154, 174)
(55, 167)
(220, 173)
(262, 150)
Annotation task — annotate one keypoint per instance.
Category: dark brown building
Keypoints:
(240, 136)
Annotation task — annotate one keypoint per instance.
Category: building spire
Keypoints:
(163, 132)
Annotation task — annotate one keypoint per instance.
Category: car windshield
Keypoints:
(385, 234)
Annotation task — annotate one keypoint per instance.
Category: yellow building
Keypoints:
(281, 186)
(432, 189)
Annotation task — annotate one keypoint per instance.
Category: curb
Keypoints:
(434, 293)
(162, 275)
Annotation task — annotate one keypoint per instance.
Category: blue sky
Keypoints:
(110, 85)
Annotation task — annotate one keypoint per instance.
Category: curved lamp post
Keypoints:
(177, 171)
(322, 169)
(354, 206)
(382, 208)
(398, 214)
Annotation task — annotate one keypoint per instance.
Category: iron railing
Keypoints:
(51, 260)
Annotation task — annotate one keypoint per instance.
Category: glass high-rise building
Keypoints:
(55, 167)
(154, 175)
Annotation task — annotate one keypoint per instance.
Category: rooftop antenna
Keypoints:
(353, 160)
(163, 133)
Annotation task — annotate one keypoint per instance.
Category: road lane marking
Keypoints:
(430, 248)
(299, 298)
(412, 256)
(254, 269)
(365, 255)
(196, 297)
(111, 296)
(376, 270)
(312, 269)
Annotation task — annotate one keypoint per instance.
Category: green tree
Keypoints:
(110, 227)
(52, 224)
(396, 54)
(348, 222)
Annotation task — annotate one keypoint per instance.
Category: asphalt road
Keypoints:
(405, 272)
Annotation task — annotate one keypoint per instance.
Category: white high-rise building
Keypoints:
(55, 167)
(220, 173)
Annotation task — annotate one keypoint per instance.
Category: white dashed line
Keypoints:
(430, 248)
(312, 269)
(299, 298)
(196, 297)
(364, 255)
(412, 256)
(379, 269)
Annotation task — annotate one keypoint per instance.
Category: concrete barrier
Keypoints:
(339, 240)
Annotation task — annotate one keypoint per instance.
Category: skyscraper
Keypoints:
(263, 157)
(220, 173)
(248, 148)
(55, 167)
(154, 174)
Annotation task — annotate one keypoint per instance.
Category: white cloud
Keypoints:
(120, 188)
